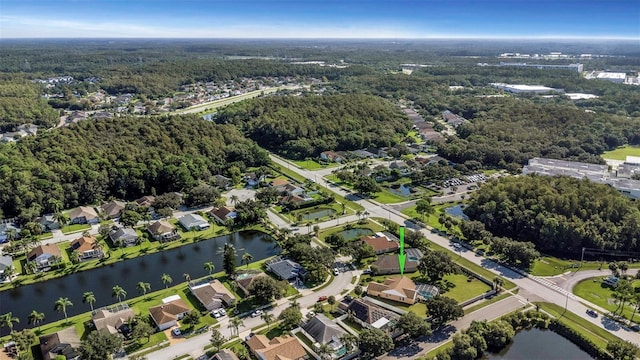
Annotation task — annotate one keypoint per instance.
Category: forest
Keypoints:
(20, 103)
(299, 127)
(560, 215)
(125, 158)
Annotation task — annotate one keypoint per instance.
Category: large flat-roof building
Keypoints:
(615, 77)
(575, 67)
(520, 88)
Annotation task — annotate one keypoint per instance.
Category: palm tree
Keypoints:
(209, 267)
(235, 324)
(89, 298)
(54, 205)
(61, 218)
(187, 277)
(343, 207)
(7, 320)
(234, 199)
(143, 287)
(12, 234)
(247, 258)
(119, 292)
(268, 318)
(324, 351)
(166, 280)
(350, 341)
(62, 304)
(36, 317)
(498, 282)
(359, 214)
(9, 272)
(31, 267)
(294, 304)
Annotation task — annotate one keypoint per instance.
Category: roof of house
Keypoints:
(84, 243)
(123, 233)
(145, 200)
(160, 227)
(292, 199)
(5, 262)
(64, 342)
(83, 211)
(221, 212)
(380, 243)
(206, 293)
(51, 249)
(397, 285)
(113, 208)
(368, 312)
(191, 220)
(169, 311)
(224, 354)
(279, 348)
(285, 269)
(389, 262)
(322, 329)
(112, 321)
(246, 280)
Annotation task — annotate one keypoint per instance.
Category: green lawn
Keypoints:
(595, 291)
(550, 266)
(463, 289)
(75, 228)
(621, 153)
(45, 236)
(387, 197)
(484, 303)
(313, 164)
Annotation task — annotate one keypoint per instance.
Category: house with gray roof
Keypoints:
(123, 236)
(5, 262)
(48, 222)
(64, 343)
(326, 332)
(194, 222)
(163, 231)
(287, 269)
(7, 228)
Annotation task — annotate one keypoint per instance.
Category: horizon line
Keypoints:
(452, 37)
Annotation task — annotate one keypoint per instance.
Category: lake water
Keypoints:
(189, 258)
(456, 211)
(317, 214)
(540, 344)
(401, 190)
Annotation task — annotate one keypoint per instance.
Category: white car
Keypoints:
(176, 331)
(336, 272)
(216, 313)
(256, 313)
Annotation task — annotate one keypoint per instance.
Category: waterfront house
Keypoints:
(114, 320)
(113, 208)
(83, 215)
(123, 236)
(5, 262)
(169, 312)
(192, 222)
(279, 348)
(397, 288)
(87, 248)
(213, 295)
(286, 269)
(63, 344)
(324, 331)
(45, 256)
(222, 214)
(245, 278)
(163, 231)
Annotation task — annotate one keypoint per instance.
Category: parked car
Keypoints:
(322, 298)
(216, 313)
(366, 271)
(256, 313)
(592, 313)
(336, 272)
(176, 331)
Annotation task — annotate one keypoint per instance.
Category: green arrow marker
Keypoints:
(401, 256)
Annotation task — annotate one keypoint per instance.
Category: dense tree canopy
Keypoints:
(124, 157)
(20, 103)
(299, 127)
(558, 214)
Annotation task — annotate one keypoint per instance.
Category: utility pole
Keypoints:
(582, 258)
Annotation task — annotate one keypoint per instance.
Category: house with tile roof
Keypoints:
(113, 320)
(388, 263)
(113, 208)
(324, 331)
(222, 214)
(45, 255)
(169, 312)
(65, 343)
(397, 288)
(87, 248)
(163, 231)
(213, 295)
(380, 243)
(279, 348)
(145, 201)
(244, 279)
(83, 215)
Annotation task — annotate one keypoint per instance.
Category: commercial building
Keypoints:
(573, 67)
(523, 89)
(615, 77)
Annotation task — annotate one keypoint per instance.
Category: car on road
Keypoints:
(322, 298)
(336, 272)
(176, 331)
(256, 313)
(592, 313)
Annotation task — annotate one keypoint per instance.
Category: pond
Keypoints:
(355, 233)
(539, 344)
(317, 214)
(189, 258)
(401, 190)
(457, 211)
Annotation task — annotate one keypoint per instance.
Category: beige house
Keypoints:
(83, 215)
(400, 289)
(112, 320)
(213, 295)
(278, 348)
(113, 208)
(87, 248)
(163, 231)
(168, 314)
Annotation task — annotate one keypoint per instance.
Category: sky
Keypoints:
(512, 19)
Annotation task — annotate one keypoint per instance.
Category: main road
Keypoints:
(531, 288)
